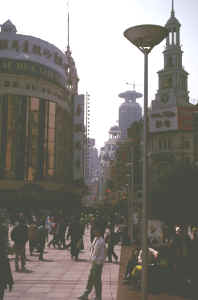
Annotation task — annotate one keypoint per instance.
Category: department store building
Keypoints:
(38, 83)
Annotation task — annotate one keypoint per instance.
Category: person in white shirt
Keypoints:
(152, 256)
(98, 256)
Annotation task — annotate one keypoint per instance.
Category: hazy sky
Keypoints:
(105, 60)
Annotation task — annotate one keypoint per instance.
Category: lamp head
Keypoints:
(145, 37)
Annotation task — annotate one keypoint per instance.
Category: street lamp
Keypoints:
(145, 37)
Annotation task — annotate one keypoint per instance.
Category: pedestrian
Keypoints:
(41, 239)
(132, 262)
(32, 237)
(53, 231)
(62, 226)
(92, 230)
(6, 279)
(180, 255)
(74, 232)
(19, 235)
(110, 241)
(194, 264)
(98, 256)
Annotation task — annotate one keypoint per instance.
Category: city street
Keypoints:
(58, 277)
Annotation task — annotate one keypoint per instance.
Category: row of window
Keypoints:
(166, 143)
(30, 86)
(27, 47)
(160, 123)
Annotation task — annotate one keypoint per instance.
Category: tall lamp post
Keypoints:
(145, 37)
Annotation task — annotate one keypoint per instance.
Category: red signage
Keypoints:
(185, 117)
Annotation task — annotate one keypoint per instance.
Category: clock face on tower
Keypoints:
(164, 98)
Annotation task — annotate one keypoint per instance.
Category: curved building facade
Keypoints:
(37, 85)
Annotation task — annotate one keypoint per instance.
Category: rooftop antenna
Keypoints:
(68, 46)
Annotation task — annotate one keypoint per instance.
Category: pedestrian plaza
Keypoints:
(59, 277)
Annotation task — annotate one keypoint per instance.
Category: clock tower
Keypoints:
(173, 79)
(171, 136)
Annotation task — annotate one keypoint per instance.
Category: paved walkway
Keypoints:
(59, 277)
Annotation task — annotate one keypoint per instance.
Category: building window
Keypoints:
(167, 123)
(15, 84)
(6, 83)
(3, 44)
(160, 145)
(33, 137)
(10, 137)
(158, 124)
(51, 138)
(169, 143)
(186, 144)
(47, 53)
(15, 45)
(36, 49)
(26, 47)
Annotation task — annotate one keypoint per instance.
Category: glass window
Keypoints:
(52, 108)
(10, 136)
(6, 83)
(51, 162)
(186, 144)
(52, 121)
(50, 172)
(51, 135)
(34, 104)
(160, 144)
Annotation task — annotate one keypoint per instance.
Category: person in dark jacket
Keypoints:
(19, 235)
(62, 226)
(110, 241)
(41, 239)
(6, 279)
(75, 233)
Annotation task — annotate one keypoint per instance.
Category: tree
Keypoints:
(174, 198)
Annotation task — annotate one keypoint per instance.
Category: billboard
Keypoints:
(173, 118)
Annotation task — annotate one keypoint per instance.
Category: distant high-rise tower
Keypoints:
(129, 111)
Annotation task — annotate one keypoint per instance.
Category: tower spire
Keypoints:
(172, 11)
(68, 29)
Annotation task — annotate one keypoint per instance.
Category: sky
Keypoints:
(105, 59)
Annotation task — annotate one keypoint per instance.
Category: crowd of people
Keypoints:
(172, 266)
(34, 234)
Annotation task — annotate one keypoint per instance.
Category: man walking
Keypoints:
(41, 239)
(19, 235)
(32, 237)
(98, 255)
(74, 232)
